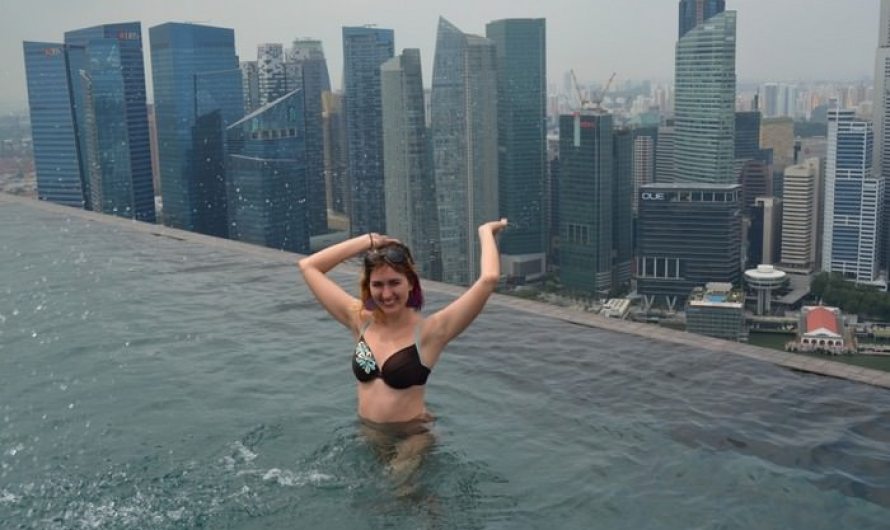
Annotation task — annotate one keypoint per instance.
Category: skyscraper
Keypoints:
(854, 199)
(364, 50)
(522, 130)
(765, 231)
(197, 93)
(271, 79)
(108, 84)
(801, 195)
(694, 12)
(250, 85)
(622, 207)
(586, 201)
(266, 176)
(645, 140)
(665, 160)
(91, 137)
(410, 186)
(465, 145)
(704, 105)
(747, 135)
(770, 98)
(689, 235)
(336, 157)
(882, 122)
(307, 70)
(57, 159)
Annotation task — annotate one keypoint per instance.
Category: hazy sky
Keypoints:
(777, 39)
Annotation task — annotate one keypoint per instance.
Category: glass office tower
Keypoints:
(465, 145)
(198, 92)
(56, 154)
(364, 50)
(266, 176)
(88, 106)
(854, 199)
(108, 86)
(586, 206)
(689, 235)
(307, 70)
(704, 102)
(522, 148)
(694, 12)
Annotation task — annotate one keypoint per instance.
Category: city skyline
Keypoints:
(775, 40)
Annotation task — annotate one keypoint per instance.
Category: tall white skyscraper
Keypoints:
(854, 199)
(800, 212)
(643, 164)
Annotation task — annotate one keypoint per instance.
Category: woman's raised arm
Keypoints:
(451, 320)
(340, 304)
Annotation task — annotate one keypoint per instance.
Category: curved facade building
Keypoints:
(704, 102)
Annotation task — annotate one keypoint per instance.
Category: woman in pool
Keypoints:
(396, 347)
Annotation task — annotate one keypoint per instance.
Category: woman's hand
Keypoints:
(381, 240)
(494, 226)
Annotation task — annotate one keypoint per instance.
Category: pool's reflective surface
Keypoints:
(149, 382)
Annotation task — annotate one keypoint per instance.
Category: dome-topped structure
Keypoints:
(764, 279)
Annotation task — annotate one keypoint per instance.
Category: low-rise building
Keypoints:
(822, 330)
(717, 310)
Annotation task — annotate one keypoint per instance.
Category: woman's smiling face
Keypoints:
(389, 288)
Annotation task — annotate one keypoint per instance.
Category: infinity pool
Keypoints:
(156, 382)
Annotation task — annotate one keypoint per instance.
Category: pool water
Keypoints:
(156, 382)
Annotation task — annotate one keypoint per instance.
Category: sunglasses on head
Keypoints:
(392, 255)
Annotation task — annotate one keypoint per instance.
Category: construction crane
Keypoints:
(583, 103)
(597, 99)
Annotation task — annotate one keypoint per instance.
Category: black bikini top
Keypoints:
(401, 370)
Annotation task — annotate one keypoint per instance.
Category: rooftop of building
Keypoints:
(822, 318)
(690, 186)
(717, 294)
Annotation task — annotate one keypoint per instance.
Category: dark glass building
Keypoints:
(306, 59)
(266, 176)
(694, 12)
(747, 135)
(54, 134)
(364, 50)
(622, 207)
(105, 126)
(586, 204)
(522, 129)
(197, 94)
(108, 83)
(689, 235)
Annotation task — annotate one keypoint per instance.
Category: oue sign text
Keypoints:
(650, 196)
